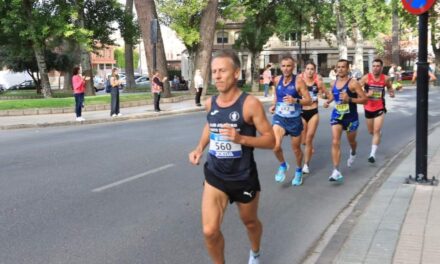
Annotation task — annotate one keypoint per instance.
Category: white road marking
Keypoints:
(132, 178)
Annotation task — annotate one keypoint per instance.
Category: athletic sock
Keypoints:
(284, 164)
(373, 150)
(298, 169)
(255, 254)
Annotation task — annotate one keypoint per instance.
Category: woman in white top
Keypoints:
(198, 85)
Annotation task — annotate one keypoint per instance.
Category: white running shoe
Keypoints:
(306, 169)
(114, 115)
(119, 114)
(254, 259)
(79, 119)
(336, 177)
(351, 160)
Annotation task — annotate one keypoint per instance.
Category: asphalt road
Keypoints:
(124, 193)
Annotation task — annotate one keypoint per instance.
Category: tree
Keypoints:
(146, 11)
(258, 27)
(130, 33)
(194, 22)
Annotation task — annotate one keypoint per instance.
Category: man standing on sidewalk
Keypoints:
(290, 95)
(347, 93)
(234, 117)
(157, 88)
(374, 85)
(267, 78)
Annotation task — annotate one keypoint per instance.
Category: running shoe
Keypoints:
(306, 169)
(298, 179)
(351, 160)
(254, 258)
(371, 159)
(336, 177)
(281, 174)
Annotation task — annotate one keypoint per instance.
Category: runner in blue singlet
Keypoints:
(346, 93)
(290, 94)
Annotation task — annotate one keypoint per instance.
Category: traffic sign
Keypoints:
(417, 7)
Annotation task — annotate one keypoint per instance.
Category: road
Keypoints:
(124, 193)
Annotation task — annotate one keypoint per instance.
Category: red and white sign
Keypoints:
(417, 7)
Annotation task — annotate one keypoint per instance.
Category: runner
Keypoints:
(291, 93)
(347, 93)
(374, 85)
(234, 117)
(310, 117)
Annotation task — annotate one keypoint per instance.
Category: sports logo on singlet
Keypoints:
(377, 92)
(234, 116)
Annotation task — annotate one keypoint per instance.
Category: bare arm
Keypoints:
(301, 87)
(321, 87)
(253, 113)
(356, 87)
(389, 86)
(330, 97)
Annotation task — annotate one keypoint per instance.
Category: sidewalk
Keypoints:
(102, 116)
(397, 223)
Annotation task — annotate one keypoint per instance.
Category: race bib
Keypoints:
(284, 109)
(343, 108)
(222, 148)
(377, 93)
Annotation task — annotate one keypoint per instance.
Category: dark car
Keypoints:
(2, 89)
(25, 85)
(407, 75)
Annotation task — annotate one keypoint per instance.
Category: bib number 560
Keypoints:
(223, 146)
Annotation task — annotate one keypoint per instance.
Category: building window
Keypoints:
(222, 37)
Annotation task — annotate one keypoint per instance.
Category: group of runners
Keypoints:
(234, 118)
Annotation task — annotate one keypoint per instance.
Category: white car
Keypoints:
(143, 81)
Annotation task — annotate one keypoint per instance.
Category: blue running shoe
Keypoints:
(298, 179)
(281, 174)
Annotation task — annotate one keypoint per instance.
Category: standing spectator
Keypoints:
(176, 82)
(198, 85)
(332, 74)
(267, 78)
(157, 88)
(79, 87)
(115, 83)
(392, 72)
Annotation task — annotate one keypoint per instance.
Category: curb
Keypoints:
(104, 120)
(89, 108)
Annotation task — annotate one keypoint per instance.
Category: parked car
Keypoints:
(25, 85)
(98, 83)
(407, 75)
(2, 88)
(143, 81)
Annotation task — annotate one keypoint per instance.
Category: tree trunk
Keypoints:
(395, 40)
(146, 11)
(255, 67)
(359, 49)
(86, 62)
(129, 65)
(45, 84)
(39, 53)
(67, 84)
(204, 50)
(341, 34)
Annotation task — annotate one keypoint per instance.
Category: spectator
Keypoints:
(332, 74)
(176, 82)
(198, 85)
(79, 87)
(157, 88)
(115, 84)
(267, 77)
(392, 72)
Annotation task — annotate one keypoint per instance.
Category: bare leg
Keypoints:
(214, 203)
(336, 145)
(377, 128)
(296, 147)
(249, 217)
(311, 130)
(277, 150)
(351, 136)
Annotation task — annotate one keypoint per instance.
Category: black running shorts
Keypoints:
(243, 191)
